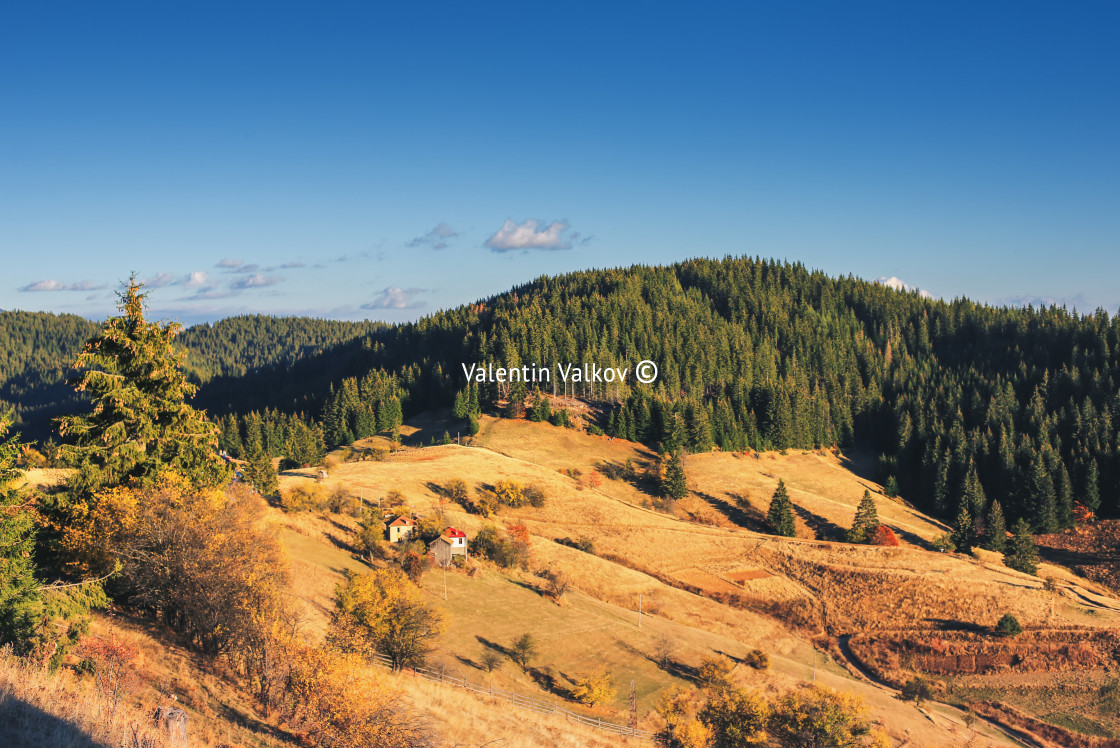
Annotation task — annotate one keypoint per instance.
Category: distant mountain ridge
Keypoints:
(37, 349)
(966, 403)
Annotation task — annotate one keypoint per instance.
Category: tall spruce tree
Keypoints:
(1021, 553)
(674, 483)
(995, 529)
(780, 514)
(20, 601)
(866, 520)
(964, 533)
(140, 424)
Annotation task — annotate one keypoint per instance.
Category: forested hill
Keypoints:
(37, 348)
(967, 403)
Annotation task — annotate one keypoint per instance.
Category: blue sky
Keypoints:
(387, 160)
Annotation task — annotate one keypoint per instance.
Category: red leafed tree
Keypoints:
(884, 535)
(1082, 513)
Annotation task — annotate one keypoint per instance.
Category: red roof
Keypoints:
(451, 532)
(401, 521)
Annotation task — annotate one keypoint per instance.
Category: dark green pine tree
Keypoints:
(462, 405)
(780, 515)
(675, 485)
(964, 534)
(866, 520)
(541, 410)
(1040, 490)
(261, 473)
(974, 499)
(995, 530)
(20, 602)
(140, 424)
(1021, 553)
(1091, 492)
(1063, 497)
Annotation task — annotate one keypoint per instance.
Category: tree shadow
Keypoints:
(822, 528)
(951, 624)
(748, 518)
(495, 646)
(35, 725)
(544, 678)
(669, 665)
(860, 462)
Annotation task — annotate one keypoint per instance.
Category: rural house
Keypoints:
(448, 545)
(401, 528)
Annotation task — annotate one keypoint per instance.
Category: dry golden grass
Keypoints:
(640, 551)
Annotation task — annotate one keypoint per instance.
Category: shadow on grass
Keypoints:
(821, 527)
(748, 518)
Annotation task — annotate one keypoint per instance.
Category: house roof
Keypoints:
(399, 521)
(451, 532)
(440, 539)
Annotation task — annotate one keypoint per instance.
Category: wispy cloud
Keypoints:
(228, 263)
(257, 280)
(437, 238)
(533, 235)
(54, 285)
(394, 297)
(900, 285)
(292, 265)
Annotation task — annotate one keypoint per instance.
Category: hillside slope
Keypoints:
(783, 593)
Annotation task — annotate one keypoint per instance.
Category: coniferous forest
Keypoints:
(966, 404)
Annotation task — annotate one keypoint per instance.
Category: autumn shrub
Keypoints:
(535, 495)
(114, 671)
(384, 613)
(736, 717)
(682, 728)
(204, 563)
(510, 493)
(303, 498)
(757, 659)
(917, 689)
(817, 716)
(714, 672)
(595, 688)
(884, 536)
(335, 700)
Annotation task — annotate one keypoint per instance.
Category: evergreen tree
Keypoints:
(20, 602)
(973, 499)
(262, 475)
(995, 530)
(780, 514)
(674, 484)
(1090, 493)
(866, 520)
(1040, 495)
(140, 424)
(964, 535)
(1021, 553)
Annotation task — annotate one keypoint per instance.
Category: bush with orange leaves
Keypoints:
(335, 700)
(883, 535)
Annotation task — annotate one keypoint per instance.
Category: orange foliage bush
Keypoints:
(884, 535)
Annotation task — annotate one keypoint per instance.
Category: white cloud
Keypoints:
(227, 264)
(394, 297)
(257, 280)
(531, 235)
(900, 285)
(196, 279)
(54, 285)
(436, 238)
